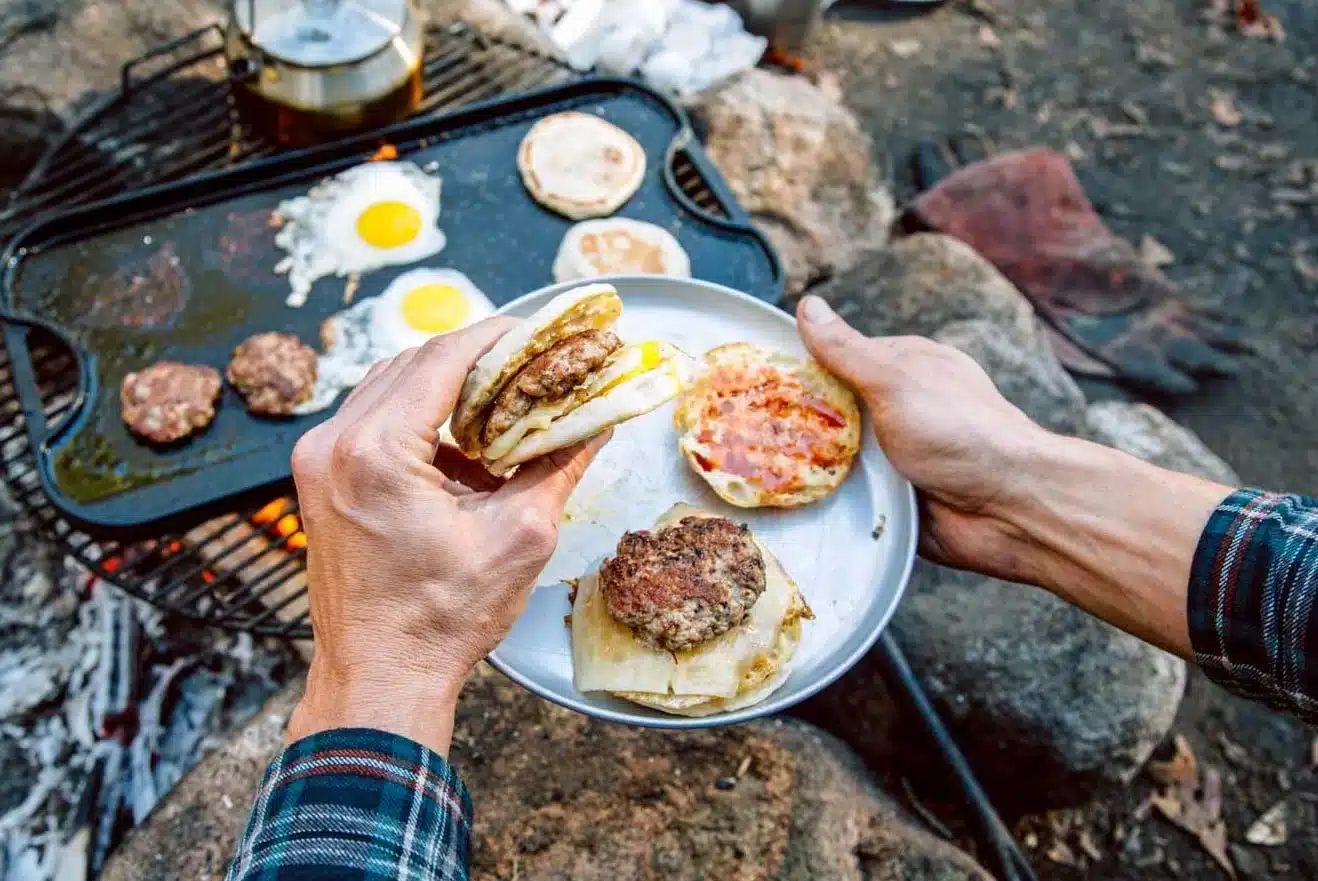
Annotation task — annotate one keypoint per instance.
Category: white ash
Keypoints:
(76, 771)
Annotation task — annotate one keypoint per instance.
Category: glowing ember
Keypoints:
(286, 524)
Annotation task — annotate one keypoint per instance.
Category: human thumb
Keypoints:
(845, 351)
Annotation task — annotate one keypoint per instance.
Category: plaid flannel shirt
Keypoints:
(1253, 603)
(356, 805)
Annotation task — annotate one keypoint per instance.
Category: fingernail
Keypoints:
(816, 311)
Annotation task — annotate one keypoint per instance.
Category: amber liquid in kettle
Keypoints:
(303, 127)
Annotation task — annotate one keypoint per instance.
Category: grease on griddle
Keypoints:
(147, 296)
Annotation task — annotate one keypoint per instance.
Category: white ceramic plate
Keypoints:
(851, 579)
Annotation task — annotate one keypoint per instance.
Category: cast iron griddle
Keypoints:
(184, 272)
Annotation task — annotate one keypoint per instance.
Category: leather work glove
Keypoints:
(1110, 313)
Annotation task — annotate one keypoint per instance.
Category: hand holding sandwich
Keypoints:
(419, 561)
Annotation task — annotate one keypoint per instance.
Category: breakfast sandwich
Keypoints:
(767, 429)
(619, 246)
(561, 377)
(580, 165)
(692, 618)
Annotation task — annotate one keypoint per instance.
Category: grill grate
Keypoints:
(171, 118)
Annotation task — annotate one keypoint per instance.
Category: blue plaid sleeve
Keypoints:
(1253, 601)
(356, 805)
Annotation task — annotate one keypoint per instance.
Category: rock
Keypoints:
(493, 18)
(1032, 688)
(619, 802)
(562, 796)
(92, 39)
(1149, 434)
(192, 833)
(1029, 377)
(797, 160)
(925, 282)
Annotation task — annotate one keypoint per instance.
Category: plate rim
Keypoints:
(777, 702)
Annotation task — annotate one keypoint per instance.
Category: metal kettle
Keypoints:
(308, 70)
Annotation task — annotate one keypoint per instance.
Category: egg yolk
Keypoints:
(435, 308)
(388, 224)
(649, 360)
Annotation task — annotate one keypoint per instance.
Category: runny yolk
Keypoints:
(388, 224)
(435, 308)
(650, 359)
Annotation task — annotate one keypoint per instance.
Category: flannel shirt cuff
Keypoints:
(360, 805)
(1253, 599)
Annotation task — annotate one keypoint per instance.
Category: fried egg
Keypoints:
(373, 215)
(414, 307)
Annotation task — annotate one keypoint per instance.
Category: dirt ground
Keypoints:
(1127, 90)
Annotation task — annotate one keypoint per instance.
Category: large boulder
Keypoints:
(1030, 377)
(923, 283)
(1033, 688)
(1148, 433)
(562, 796)
(797, 160)
(91, 39)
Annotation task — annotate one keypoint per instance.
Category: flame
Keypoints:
(386, 152)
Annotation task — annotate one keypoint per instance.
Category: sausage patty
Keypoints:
(684, 584)
(274, 372)
(168, 401)
(549, 376)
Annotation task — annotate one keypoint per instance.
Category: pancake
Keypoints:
(579, 165)
(767, 429)
(619, 246)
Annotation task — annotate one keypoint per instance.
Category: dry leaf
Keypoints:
(1234, 752)
(1179, 768)
(1224, 109)
(989, 37)
(1190, 796)
(1269, 830)
(1155, 253)
(904, 48)
(1061, 854)
(1252, 21)
(1086, 842)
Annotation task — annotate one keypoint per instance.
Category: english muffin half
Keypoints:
(693, 618)
(767, 429)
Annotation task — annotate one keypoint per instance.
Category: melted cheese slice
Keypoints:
(607, 656)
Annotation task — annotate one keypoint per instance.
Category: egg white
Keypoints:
(374, 329)
(320, 229)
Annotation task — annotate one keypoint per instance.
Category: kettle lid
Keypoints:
(319, 33)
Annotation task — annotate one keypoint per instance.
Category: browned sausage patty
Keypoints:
(169, 401)
(548, 377)
(685, 584)
(274, 372)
